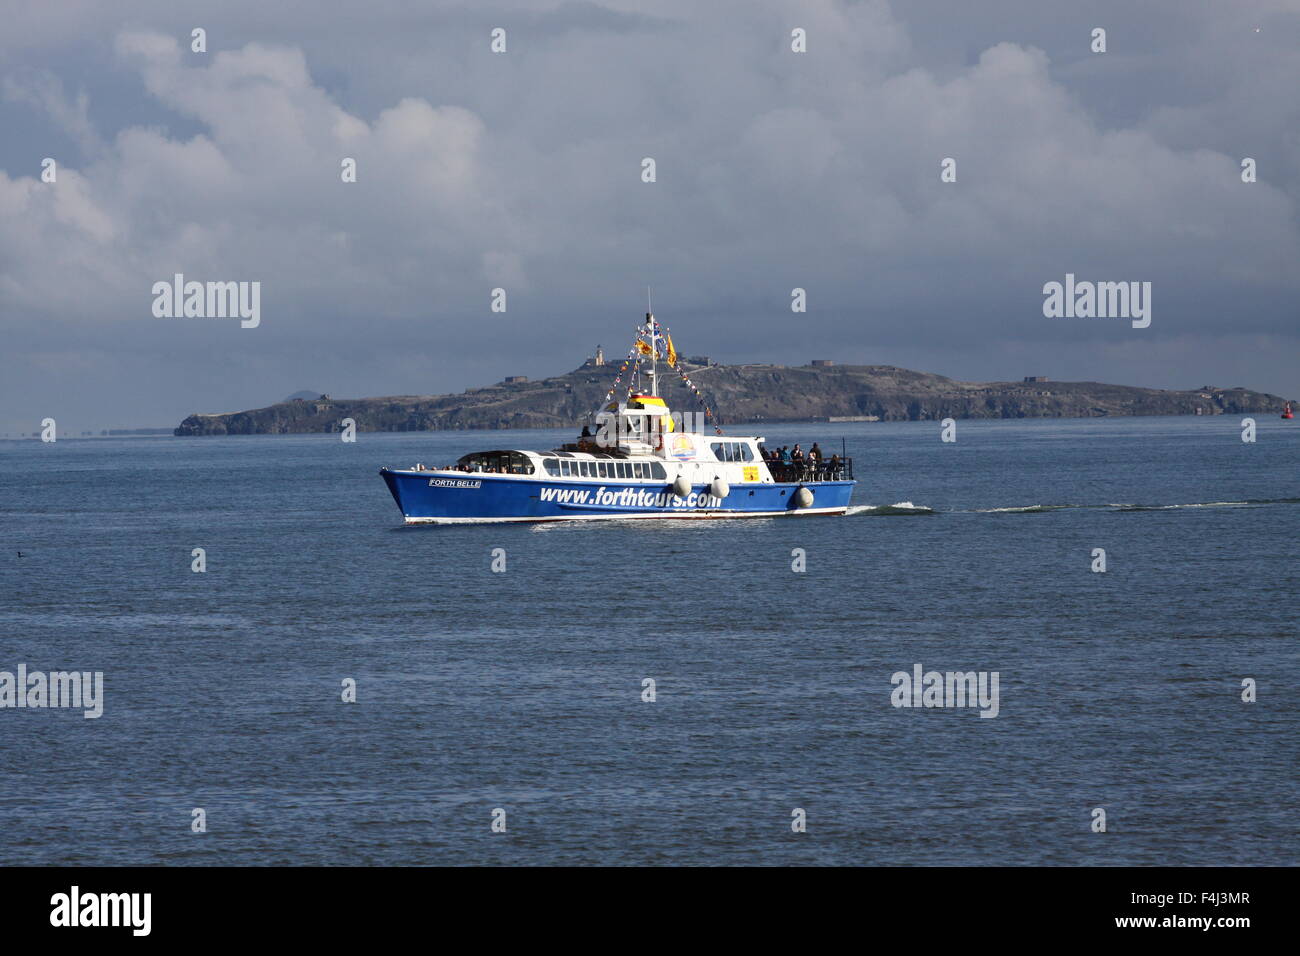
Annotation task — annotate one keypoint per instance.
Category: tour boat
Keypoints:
(640, 462)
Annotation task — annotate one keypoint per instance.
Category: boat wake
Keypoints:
(1024, 509)
(1203, 504)
(1127, 506)
(908, 508)
(1248, 503)
(898, 508)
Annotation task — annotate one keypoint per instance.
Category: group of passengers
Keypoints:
(793, 464)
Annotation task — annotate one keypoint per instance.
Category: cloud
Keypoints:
(258, 194)
(43, 91)
(775, 170)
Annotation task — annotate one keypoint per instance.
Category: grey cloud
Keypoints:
(776, 170)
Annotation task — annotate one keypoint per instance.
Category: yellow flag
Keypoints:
(643, 347)
(672, 352)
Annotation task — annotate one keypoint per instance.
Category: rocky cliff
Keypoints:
(739, 393)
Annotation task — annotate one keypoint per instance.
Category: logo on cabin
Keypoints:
(680, 445)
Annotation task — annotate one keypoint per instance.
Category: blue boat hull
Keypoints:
(424, 497)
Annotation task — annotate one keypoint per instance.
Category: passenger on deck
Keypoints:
(815, 453)
(834, 467)
(797, 455)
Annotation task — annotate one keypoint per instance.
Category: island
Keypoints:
(818, 392)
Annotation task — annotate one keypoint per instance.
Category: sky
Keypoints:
(523, 170)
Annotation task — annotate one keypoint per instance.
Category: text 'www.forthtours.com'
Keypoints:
(628, 498)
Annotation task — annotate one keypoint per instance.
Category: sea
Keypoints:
(661, 693)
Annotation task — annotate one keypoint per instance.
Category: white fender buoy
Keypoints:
(681, 487)
(719, 488)
(802, 498)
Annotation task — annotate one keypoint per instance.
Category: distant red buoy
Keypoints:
(1286, 412)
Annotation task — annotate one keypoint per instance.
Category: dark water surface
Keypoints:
(522, 690)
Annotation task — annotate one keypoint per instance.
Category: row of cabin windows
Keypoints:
(732, 451)
(497, 462)
(574, 468)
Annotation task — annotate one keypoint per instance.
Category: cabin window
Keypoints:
(624, 470)
(732, 451)
(552, 466)
(566, 468)
(638, 469)
(497, 462)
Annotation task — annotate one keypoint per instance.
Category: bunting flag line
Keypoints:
(640, 349)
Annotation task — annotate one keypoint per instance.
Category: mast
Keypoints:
(654, 345)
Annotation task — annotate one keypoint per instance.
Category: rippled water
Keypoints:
(522, 690)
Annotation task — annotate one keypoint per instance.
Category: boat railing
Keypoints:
(811, 471)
